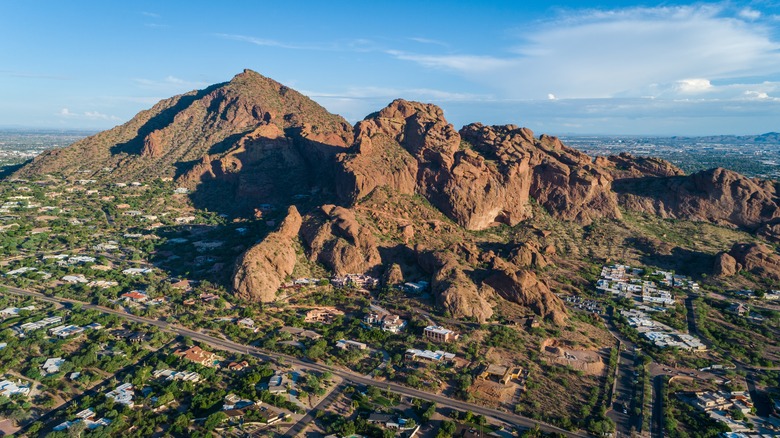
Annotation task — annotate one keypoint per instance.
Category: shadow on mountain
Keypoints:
(680, 260)
(226, 144)
(207, 252)
(160, 121)
(655, 187)
(8, 169)
(268, 173)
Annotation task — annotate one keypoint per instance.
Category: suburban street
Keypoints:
(508, 418)
(624, 387)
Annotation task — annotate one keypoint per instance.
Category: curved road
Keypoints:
(225, 345)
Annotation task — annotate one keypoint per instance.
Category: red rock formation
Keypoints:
(561, 179)
(260, 271)
(718, 196)
(336, 239)
(626, 165)
(756, 258)
(524, 288)
(452, 288)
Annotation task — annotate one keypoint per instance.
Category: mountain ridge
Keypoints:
(379, 187)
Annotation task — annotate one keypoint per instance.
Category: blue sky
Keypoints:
(568, 68)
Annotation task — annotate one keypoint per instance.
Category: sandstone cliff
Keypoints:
(336, 239)
(524, 287)
(718, 196)
(625, 165)
(410, 148)
(262, 269)
(562, 180)
(758, 259)
(452, 288)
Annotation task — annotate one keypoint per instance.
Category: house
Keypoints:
(9, 388)
(199, 356)
(14, 311)
(185, 285)
(129, 336)
(427, 356)
(123, 394)
(350, 345)
(738, 309)
(137, 271)
(416, 288)
(322, 315)
(388, 421)
(238, 366)
(52, 365)
(74, 279)
(278, 383)
(187, 376)
(31, 326)
(301, 333)
(499, 373)
(440, 334)
(356, 280)
(65, 331)
(247, 322)
(386, 321)
(533, 322)
(135, 296)
(208, 297)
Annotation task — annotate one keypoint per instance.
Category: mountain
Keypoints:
(251, 139)
(766, 138)
(403, 194)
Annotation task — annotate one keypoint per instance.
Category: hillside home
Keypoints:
(440, 334)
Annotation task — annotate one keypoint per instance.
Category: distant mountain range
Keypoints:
(768, 138)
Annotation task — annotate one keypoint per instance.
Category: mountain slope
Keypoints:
(210, 135)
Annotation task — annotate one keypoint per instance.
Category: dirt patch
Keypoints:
(7, 428)
(589, 362)
(493, 393)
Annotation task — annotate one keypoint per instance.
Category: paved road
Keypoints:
(309, 417)
(656, 424)
(225, 345)
(624, 386)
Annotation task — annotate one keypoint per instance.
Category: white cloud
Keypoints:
(86, 115)
(631, 52)
(428, 41)
(694, 86)
(98, 115)
(750, 14)
(550, 96)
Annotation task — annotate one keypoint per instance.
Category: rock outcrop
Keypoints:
(410, 148)
(756, 258)
(725, 265)
(718, 196)
(524, 287)
(562, 180)
(336, 239)
(625, 165)
(452, 288)
(528, 255)
(260, 271)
